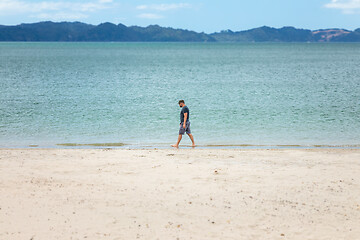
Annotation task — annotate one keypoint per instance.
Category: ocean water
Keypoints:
(239, 94)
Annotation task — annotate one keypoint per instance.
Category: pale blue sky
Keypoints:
(199, 15)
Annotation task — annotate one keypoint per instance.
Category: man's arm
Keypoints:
(185, 118)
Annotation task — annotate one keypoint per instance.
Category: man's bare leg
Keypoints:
(178, 142)
(192, 139)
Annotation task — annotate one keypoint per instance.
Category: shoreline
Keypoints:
(184, 146)
(179, 193)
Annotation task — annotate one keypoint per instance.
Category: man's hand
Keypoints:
(184, 126)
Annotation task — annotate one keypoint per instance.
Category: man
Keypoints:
(184, 124)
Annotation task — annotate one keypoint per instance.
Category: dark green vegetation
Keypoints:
(109, 32)
(288, 34)
(105, 32)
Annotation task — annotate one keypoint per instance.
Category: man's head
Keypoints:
(181, 103)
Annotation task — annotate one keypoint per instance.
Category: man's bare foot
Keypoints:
(193, 145)
(175, 146)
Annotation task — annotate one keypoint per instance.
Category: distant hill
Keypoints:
(265, 34)
(288, 34)
(109, 32)
(105, 32)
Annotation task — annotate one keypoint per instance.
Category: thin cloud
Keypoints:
(164, 7)
(8, 7)
(149, 16)
(346, 6)
(60, 16)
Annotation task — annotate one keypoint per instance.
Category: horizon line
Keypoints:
(285, 26)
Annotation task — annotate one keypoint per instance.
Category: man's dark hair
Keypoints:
(181, 101)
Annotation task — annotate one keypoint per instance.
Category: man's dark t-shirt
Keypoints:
(184, 110)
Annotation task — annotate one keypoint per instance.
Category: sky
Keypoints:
(198, 15)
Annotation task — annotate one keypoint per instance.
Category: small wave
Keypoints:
(92, 144)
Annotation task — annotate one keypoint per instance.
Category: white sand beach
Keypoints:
(179, 194)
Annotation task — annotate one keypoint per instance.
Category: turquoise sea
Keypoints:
(239, 94)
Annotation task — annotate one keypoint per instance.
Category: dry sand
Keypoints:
(179, 194)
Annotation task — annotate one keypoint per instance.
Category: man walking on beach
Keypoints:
(184, 124)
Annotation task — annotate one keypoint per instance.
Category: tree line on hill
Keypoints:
(109, 32)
